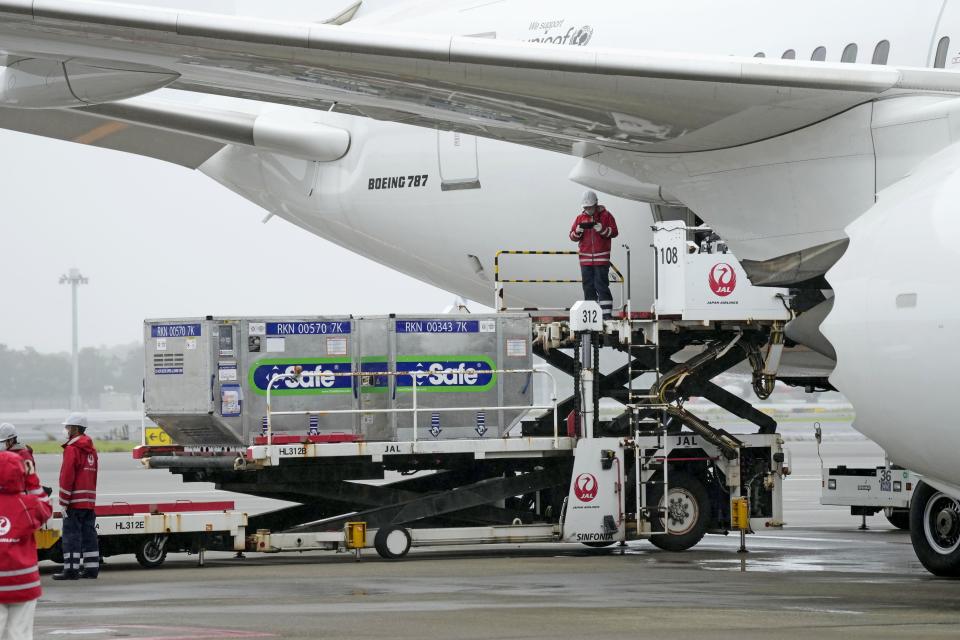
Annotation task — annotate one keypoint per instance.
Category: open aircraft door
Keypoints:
(459, 167)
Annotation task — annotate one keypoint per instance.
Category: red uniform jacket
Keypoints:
(78, 474)
(595, 245)
(33, 480)
(20, 515)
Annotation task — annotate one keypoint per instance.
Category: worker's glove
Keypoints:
(597, 227)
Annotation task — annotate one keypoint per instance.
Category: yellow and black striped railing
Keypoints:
(616, 276)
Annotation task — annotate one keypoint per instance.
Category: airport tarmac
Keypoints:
(817, 577)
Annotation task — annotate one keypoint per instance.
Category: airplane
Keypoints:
(816, 139)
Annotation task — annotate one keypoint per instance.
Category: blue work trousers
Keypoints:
(80, 547)
(596, 287)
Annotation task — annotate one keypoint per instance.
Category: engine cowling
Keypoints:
(895, 323)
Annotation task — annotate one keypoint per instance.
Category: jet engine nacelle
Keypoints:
(37, 83)
(895, 323)
(895, 327)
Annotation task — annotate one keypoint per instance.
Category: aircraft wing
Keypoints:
(562, 98)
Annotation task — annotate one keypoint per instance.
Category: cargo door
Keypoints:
(459, 167)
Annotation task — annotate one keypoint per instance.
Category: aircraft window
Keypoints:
(849, 54)
(940, 62)
(819, 54)
(882, 53)
(789, 54)
(760, 55)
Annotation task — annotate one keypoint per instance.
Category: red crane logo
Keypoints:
(585, 487)
(723, 279)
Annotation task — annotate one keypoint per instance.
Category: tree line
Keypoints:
(27, 375)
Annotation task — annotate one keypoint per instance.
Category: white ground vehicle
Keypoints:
(151, 531)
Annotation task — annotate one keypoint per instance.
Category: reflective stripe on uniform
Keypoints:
(18, 572)
(21, 587)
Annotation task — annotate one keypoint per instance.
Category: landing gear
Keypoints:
(685, 510)
(935, 530)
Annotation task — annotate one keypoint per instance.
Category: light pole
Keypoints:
(74, 279)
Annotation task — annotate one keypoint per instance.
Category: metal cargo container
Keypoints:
(448, 355)
(206, 379)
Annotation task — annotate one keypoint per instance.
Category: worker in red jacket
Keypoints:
(593, 230)
(78, 497)
(20, 516)
(9, 442)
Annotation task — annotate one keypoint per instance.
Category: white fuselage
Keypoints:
(440, 206)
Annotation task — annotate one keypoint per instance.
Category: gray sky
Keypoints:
(158, 240)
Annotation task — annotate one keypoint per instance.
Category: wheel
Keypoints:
(152, 551)
(686, 512)
(935, 530)
(900, 518)
(392, 542)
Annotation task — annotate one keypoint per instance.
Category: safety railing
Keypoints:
(499, 302)
(414, 409)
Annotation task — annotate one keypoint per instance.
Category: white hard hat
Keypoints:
(76, 420)
(7, 431)
(589, 199)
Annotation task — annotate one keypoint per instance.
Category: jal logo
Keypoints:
(5, 525)
(723, 279)
(90, 459)
(585, 487)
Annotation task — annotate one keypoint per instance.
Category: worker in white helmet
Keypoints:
(593, 230)
(9, 441)
(78, 498)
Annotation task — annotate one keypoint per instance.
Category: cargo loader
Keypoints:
(397, 431)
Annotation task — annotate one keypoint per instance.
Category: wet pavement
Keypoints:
(819, 577)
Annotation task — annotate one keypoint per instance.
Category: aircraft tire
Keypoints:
(935, 530)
